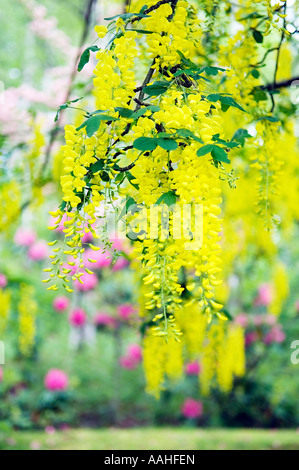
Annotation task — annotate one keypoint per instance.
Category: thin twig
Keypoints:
(278, 56)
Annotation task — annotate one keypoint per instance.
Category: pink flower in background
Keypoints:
(104, 319)
(121, 263)
(24, 237)
(193, 368)
(103, 260)
(192, 408)
(56, 380)
(78, 318)
(90, 281)
(275, 335)
(127, 363)
(1, 374)
(265, 296)
(119, 244)
(3, 281)
(61, 304)
(38, 251)
(50, 430)
(242, 320)
(135, 352)
(251, 338)
(126, 311)
(132, 358)
(270, 320)
(87, 238)
(258, 320)
(297, 306)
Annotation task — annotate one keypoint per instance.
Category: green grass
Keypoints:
(155, 439)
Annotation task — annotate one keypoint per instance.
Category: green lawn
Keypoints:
(154, 439)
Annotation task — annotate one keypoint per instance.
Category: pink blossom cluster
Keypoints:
(193, 368)
(61, 304)
(37, 250)
(265, 296)
(46, 28)
(261, 328)
(132, 358)
(126, 312)
(3, 281)
(192, 409)
(78, 318)
(103, 319)
(56, 381)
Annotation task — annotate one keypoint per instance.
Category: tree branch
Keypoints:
(153, 8)
(278, 85)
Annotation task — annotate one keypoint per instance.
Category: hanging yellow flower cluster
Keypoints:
(281, 288)
(219, 349)
(27, 308)
(5, 304)
(168, 144)
(164, 129)
(10, 197)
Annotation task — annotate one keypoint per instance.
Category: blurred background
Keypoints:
(75, 361)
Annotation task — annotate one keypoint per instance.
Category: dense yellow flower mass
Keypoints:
(27, 308)
(178, 97)
(5, 305)
(10, 196)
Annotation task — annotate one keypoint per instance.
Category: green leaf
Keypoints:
(269, 118)
(98, 111)
(63, 205)
(260, 95)
(259, 38)
(167, 144)
(65, 106)
(130, 202)
(142, 111)
(240, 135)
(157, 88)
(143, 31)
(139, 113)
(125, 112)
(219, 154)
(185, 133)
(209, 70)
(92, 124)
(225, 100)
(224, 142)
(127, 16)
(255, 73)
(145, 143)
(165, 135)
(169, 199)
(120, 178)
(130, 178)
(105, 177)
(205, 150)
(224, 107)
(97, 166)
(253, 15)
(86, 56)
(186, 61)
